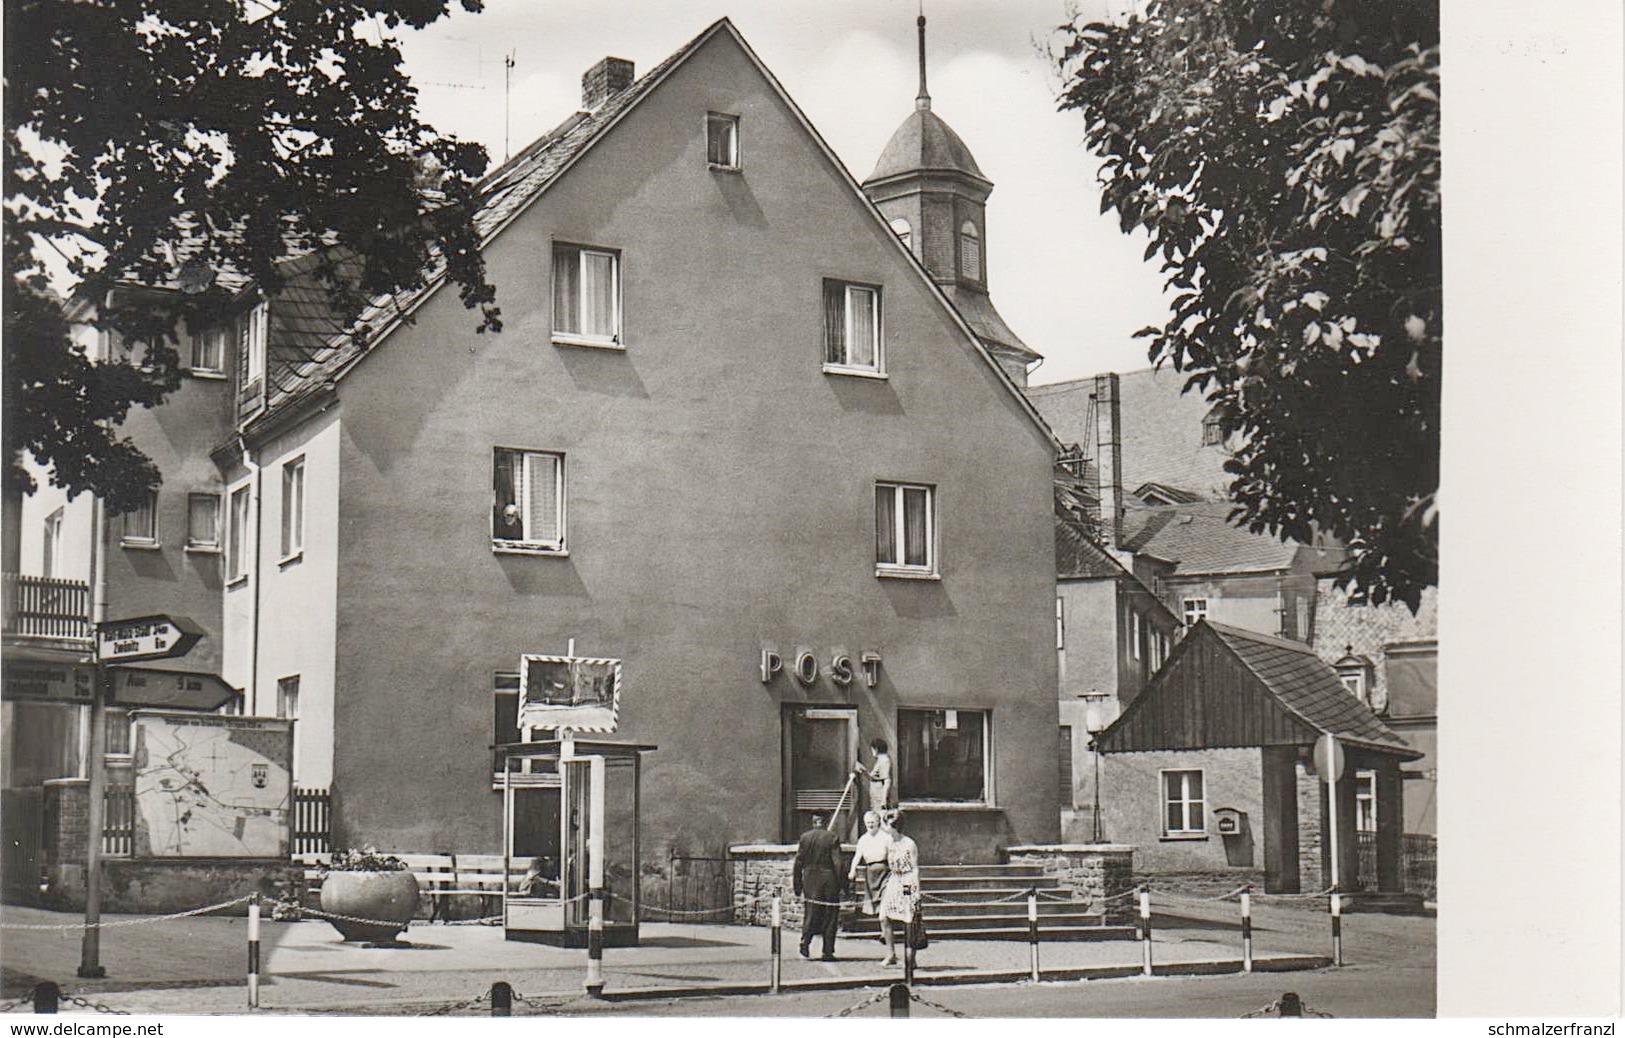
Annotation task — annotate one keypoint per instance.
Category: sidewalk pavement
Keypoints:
(197, 965)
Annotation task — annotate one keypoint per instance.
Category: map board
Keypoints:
(211, 786)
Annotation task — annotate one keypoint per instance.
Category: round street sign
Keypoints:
(1329, 759)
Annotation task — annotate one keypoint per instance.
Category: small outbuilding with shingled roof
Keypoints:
(1210, 769)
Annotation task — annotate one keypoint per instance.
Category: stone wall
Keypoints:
(1311, 794)
(66, 821)
(760, 871)
(155, 886)
(1093, 872)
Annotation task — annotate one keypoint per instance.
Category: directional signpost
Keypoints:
(1330, 762)
(155, 637)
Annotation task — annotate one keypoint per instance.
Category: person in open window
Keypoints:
(879, 777)
(869, 859)
(541, 879)
(900, 897)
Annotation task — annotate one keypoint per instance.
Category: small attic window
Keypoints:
(1212, 428)
(721, 141)
(904, 232)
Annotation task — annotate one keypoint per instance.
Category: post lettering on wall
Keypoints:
(840, 668)
(871, 668)
(772, 663)
(806, 666)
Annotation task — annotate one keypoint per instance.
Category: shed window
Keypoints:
(1183, 812)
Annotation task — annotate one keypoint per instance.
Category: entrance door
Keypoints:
(820, 747)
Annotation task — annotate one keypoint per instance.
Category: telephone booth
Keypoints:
(561, 803)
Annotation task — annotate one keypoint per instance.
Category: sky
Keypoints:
(1066, 279)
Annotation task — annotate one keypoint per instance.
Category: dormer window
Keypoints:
(970, 251)
(209, 349)
(904, 232)
(1212, 427)
(722, 141)
(1355, 673)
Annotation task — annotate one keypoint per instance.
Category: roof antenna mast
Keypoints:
(507, 100)
(923, 99)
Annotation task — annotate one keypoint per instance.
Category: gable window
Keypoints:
(527, 507)
(1212, 430)
(905, 530)
(1195, 609)
(942, 755)
(203, 522)
(851, 327)
(586, 296)
(721, 140)
(51, 563)
(1135, 634)
(141, 524)
(904, 232)
(209, 349)
(1183, 813)
(237, 534)
(970, 251)
(293, 508)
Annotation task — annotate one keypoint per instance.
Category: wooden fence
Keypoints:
(312, 821)
(41, 607)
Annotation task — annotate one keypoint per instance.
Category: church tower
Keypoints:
(928, 185)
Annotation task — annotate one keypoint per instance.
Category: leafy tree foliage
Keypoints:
(1284, 158)
(183, 143)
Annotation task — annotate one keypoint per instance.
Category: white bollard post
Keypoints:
(1337, 929)
(254, 953)
(1247, 930)
(778, 946)
(1032, 931)
(1145, 927)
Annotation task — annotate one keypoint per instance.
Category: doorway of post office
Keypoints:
(820, 747)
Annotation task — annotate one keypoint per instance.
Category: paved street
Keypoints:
(195, 966)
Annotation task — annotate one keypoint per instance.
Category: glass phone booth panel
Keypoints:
(550, 820)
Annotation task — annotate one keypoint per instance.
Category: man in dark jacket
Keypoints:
(817, 879)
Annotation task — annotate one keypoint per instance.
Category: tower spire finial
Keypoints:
(922, 99)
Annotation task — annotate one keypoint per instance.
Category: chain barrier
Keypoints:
(1275, 1007)
(537, 1003)
(454, 1007)
(1177, 895)
(922, 1000)
(878, 996)
(97, 1006)
(15, 1004)
(1115, 897)
(131, 922)
(1293, 897)
(1264, 1010)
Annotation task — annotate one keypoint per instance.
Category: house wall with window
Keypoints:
(720, 491)
(48, 524)
(1281, 604)
(170, 573)
(1136, 807)
(297, 590)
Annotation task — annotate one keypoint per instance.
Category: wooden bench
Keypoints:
(444, 880)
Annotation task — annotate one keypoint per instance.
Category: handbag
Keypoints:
(918, 939)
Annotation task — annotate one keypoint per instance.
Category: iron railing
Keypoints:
(697, 887)
(1418, 863)
(44, 607)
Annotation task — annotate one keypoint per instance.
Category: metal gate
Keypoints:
(699, 889)
(24, 824)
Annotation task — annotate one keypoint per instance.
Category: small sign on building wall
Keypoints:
(582, 694)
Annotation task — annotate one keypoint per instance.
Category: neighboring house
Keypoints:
(1388, 657)
(735, 435)
(1210, 771)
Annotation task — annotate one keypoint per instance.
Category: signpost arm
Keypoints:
(90, 949)
(1331, 787)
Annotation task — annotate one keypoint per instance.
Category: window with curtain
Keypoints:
(141, 524)
(527, 510)
(293, 507)
(852, 326)
(209, 348)
(905, 529)
(1183, 803)
(1365, 801)
(722, 140)
(586, 296)
(970, 251)
(203, 522)
(237, 534)
(942, 755)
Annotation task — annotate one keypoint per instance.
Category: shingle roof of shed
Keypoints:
(1307, 686)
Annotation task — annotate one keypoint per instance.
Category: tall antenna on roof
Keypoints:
(507, 101)
(923, 99)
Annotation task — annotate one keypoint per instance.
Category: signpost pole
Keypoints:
(90, 948)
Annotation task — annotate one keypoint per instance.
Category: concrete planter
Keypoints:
(391, 898)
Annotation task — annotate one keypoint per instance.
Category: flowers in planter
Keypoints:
(365, 860)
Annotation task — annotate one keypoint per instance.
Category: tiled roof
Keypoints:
(1077, 555)
(317, 354)
(1161, 428)
(1309, 688)
(1197, 537)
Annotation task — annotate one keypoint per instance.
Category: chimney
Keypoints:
(603, 81)
(1109, 459)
